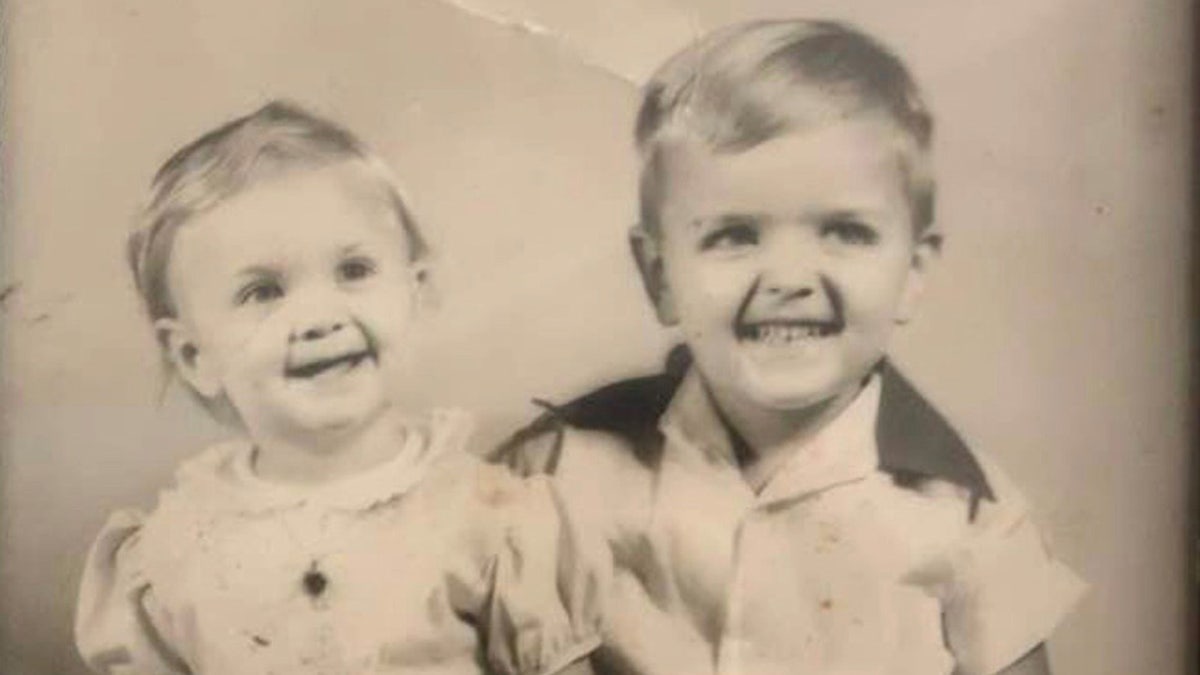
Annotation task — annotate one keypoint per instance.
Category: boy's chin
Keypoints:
(786, 392)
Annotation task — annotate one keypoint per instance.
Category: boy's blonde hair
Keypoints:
(749, 83)
(232, 158)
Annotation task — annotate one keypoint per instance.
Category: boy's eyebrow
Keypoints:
(733, 219)
(847, 214)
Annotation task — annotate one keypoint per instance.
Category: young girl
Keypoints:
(282, 272)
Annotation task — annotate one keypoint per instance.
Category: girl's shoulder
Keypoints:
(204, 485)
(204, 490)
(138, 548)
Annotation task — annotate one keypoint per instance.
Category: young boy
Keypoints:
(782, 500)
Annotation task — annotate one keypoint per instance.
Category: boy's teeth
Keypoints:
(775, 334)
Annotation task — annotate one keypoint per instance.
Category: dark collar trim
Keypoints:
(915, 442)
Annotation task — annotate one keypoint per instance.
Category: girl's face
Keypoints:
(294, 299)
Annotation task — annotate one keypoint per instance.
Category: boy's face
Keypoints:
(787, 266)
(294, 298)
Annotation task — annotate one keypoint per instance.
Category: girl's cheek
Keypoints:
(263, 346)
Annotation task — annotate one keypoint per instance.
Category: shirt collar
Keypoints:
(911, 440)
(916, 443)
(842, 452)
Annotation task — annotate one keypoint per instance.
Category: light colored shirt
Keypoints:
(432, 563)
(837, 566)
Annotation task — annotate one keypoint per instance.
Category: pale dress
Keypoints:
(433, 563)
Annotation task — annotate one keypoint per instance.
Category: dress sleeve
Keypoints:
(1007, 591)
(543, 606)
(119, 625)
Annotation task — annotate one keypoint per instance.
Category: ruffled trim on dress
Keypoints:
(222, 479)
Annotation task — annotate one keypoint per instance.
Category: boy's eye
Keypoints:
(730, 236)
(355, 269)
(260, 292)
(849, 231)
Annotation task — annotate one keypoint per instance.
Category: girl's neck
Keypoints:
(316, 458)
(764, 438)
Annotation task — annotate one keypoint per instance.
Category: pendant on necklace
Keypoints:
(314, 581)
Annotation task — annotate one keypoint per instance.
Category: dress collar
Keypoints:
(234, 485)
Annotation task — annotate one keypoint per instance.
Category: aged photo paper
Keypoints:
(1055, 332)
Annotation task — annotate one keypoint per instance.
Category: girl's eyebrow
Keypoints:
(255, 271)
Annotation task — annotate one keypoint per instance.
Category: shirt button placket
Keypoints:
(732, 645)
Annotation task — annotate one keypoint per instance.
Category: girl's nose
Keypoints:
(318, 330)
(316, 314)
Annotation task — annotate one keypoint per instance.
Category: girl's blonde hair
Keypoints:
(228, 160)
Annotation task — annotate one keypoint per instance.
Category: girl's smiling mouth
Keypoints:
(315, 367)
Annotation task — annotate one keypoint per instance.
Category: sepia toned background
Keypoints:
(1055, 334)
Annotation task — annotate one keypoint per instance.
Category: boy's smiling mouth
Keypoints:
(787, 323)
(785, 331)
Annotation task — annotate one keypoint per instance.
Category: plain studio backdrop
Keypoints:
(1055, 334)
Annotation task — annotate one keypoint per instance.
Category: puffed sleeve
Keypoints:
(543, 607)
(1007, 591)
(119, 626)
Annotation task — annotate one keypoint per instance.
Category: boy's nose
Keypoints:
(790, 270)
(788, 292)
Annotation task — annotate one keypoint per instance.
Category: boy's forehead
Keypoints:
(850, 163)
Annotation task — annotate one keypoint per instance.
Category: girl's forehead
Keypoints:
(292, 216)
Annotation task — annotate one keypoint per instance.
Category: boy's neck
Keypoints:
(319, 458)
(764, 439)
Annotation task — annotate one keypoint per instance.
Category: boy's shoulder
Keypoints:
(618, 421)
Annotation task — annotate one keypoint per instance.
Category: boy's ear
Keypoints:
(926, 253)
(648, 256)
(186, 357)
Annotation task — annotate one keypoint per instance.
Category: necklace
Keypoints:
(314, 580)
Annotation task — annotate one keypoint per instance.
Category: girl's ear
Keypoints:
(184, 354)
(648, 255)
(926, 253)
(425, 292)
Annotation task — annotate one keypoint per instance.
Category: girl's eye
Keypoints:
(730, 237)
(355, 269)
(260, 292)
(850, 231)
